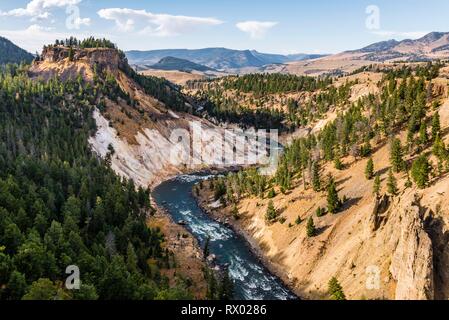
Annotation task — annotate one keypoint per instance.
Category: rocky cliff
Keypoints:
(412, 262)
(55, 62)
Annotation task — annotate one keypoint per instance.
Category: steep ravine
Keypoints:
(227, 249)
(396, 249)
(138, 141)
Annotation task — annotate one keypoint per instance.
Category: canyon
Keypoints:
(389, 248)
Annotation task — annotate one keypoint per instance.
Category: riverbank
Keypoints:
(179, 240)
(223, 215)
(190, 262)
(252, 281)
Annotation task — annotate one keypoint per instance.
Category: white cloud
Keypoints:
(256, 29)
(149, 23)
(39, 9)
(78, 22)
(37, 29)
(32, 38)
(398, 34)
(35, 37)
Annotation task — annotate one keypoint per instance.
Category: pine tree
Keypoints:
(436, 126)
(89, 293)
(408, 183)
(396, 156)
(311, 230)
(366, 150)
(338, 164)
(319, 212)
(423, 136)
(271, 214)
(226, 288)
(441, 152)
(235, 212)
(439, 148)
(333, 201)
(410, 140)
(206, 248)
(369, 170)
(42, 289)
(16, 286)
(283, 177)
(421, 171)
(392, 184)
(211, 285)
(132, 259)
(316, 179)
(377, 186)
(335, 290)
(71, 54)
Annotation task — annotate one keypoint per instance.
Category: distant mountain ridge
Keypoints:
(10, 53)
(172, 63)
(434, 45)
(430, 47)
(216, 58)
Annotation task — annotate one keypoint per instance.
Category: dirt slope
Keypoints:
(389, 248)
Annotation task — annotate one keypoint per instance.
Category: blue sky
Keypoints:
(277, 26)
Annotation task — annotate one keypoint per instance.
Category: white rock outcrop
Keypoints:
(412, 262)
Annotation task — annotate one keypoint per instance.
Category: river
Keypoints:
(252, 281)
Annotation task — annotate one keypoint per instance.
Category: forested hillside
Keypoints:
(61, 205)
(364, 188)
(285, 102)
(407, 101)
(171, 63)
(10, 53)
